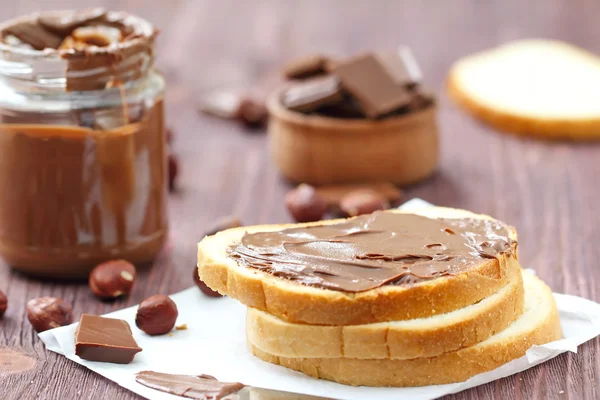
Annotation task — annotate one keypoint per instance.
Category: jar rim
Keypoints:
(134, 50)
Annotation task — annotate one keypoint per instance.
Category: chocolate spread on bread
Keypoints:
(383, 248)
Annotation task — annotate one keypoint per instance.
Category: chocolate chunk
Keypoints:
(421, 100)
(306, 67)
(203, 387)
(348, 108)
(105, 340)
(63, 22)
(314, 93)
(403, 66)
(34, 35)
(373, 81)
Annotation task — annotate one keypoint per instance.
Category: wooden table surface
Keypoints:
(549, 191)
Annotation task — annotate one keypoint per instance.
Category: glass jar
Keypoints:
(82, 154)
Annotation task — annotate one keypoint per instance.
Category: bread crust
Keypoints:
(426, 337)
(538, 325)
(580, 129)
(294, 302)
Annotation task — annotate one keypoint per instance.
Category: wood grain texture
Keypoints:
(549, 191)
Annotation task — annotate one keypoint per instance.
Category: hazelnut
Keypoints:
(48, 313)
(363, 201)
(252, 113)
(305, 204)
(112, 279)
(203, 287)
(156, 315)
(173, 168)
(3, 304)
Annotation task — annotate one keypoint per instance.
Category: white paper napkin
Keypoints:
(215, 344)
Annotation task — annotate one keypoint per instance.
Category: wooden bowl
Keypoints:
(321, 150)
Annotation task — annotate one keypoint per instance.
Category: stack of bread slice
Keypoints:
(434, 331)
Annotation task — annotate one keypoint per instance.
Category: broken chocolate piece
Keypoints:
(421, 100)
(348, 108)
(374, 84)
(403, 66)
(34, 35)
(105, 340)
(63, 22)
(306, 67)
(202, 387)
(314, 93)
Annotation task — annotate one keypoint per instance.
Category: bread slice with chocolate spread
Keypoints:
(388, 266)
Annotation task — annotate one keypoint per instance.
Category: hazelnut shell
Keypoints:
(48, 312)
(203, 287)
(3, 304)
(156, 315)
(361, 202)
(112, 279)
(305, 204)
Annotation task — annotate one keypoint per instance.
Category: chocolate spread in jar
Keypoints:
(82, 175)
(383, 248)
